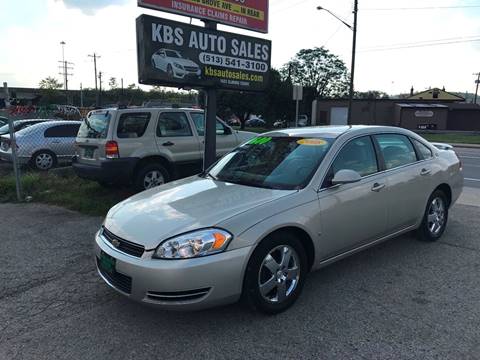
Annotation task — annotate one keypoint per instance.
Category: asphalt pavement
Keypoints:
(471, 165)
(403, 299)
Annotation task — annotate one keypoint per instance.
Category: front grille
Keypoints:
(178, 296)
(120, 281)
(191, 68)
(123, 245)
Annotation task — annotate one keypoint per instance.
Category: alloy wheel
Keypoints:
(436, 216)
(279, 274)
(152, 179)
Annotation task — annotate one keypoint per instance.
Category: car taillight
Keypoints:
(111, 150)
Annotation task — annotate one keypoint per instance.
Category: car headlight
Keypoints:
(194, 244)
(177, 65)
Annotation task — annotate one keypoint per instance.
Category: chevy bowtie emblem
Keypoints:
(115, 243)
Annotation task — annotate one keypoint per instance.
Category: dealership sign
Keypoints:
(178, 54)
(247, 14)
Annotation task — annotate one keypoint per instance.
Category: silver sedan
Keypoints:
(281, 205)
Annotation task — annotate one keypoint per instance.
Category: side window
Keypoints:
(423, 150)
(171, 124)
(133, 125)
(199, 121)
(358, 155)
(397, 150)
(62, 131)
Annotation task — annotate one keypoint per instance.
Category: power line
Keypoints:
(423, 8)
(467, 37)
(420, 45)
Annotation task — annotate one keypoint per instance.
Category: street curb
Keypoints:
(467, 146)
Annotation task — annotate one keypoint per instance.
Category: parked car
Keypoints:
(174, 64)
(43, 145)
(21, 124)
(274, 209)
(255, 122)
(303, 120)
(3, 121)
(146, 146)
(280, 124)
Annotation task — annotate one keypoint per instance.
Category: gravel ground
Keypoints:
(401, 300)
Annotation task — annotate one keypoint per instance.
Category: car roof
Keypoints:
(333, 131)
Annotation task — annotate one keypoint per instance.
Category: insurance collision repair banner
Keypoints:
(172, 53)
(247, 14)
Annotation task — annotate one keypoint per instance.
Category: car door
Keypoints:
(61, 138)
(226, 139)
(353, 214)
(408, 180)
(175, 138)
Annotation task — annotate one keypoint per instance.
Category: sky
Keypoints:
(31, 32)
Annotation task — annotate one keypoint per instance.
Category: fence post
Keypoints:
(16, 169)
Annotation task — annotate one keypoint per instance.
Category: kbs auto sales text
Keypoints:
(209, 42)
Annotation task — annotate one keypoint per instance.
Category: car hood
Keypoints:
(244, 136)
(181, 206)
(184, 62)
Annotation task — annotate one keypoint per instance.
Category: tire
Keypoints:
(43, 160)
(435, 217)
(170, 70)
(281, 286)
(150, 176)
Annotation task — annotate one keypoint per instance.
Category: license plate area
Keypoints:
(88, 152)
(107, 262)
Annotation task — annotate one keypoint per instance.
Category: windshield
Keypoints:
(172, 54)
(95, 126)
(284, 163)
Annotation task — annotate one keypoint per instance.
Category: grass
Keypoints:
(453, 138)
(67, 191)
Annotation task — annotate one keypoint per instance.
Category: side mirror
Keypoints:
(228, 131)
(346, 177)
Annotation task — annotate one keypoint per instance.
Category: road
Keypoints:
(403, 299)
(471, 165)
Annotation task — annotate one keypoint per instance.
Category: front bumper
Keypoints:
(191, 284)
(8, 157)
(182, 73)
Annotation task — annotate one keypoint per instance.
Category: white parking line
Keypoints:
(470, 179)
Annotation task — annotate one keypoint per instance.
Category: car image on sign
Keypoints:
(174, 64)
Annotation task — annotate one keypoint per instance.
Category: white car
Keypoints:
(176, 66)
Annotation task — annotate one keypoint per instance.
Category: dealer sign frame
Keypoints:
(172, 53)
(246, 14)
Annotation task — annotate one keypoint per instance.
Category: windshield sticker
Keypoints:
(312, 142)
(260, 140)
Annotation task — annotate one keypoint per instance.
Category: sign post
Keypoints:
(297, 97)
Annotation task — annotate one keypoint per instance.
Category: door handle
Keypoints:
(168, 143)
(425, 172)
(56, 142)
(377, 187)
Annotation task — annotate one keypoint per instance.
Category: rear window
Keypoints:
(133, 125)
(95, 126)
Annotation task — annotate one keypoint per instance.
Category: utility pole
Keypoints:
(95, 57)
(100, 92)
(81, 95)
(478, 83)
(64, 68)
(352, 75)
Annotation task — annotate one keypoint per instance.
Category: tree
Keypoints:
(50, 83)
(320, 70)
(372, 94)
(113, 83)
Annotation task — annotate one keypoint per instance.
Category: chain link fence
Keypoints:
(35, 142)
